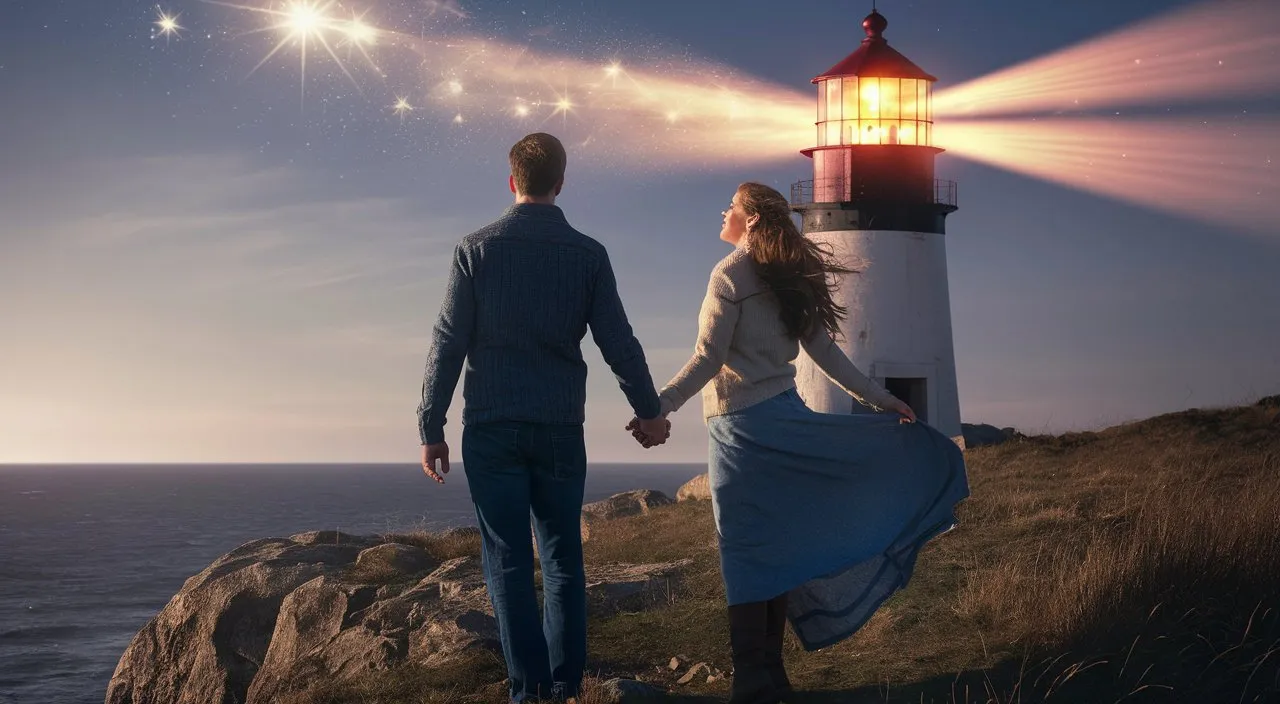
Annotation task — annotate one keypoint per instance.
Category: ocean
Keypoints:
(88, 554)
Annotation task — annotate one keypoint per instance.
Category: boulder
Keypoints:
(209, 641)
(696, 489)
(395, 557)
(982, 434)
(625, 691)
(612, 589)
(628, 503)
(275, 617)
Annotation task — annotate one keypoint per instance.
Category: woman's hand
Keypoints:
(650, 433)
(901, 408)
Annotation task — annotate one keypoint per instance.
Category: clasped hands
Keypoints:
(652, 432)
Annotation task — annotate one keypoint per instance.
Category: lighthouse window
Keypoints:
(869, 98)
(907, 132)
(850, 98)
(833, 132)
(822, 104)
(833, 100)
(889, 98)
(909, 98)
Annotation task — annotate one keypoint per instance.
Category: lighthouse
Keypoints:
(875, 203)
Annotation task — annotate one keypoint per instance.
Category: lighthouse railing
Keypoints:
(837, 190)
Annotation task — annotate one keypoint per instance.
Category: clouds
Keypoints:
(197, 292)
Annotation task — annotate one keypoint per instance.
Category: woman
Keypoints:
(819, 516)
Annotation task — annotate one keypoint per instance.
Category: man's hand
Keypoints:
(431, 453)
(650, 433)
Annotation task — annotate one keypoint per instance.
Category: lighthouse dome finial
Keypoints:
(875, 24)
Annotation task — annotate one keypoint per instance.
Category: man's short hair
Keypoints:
(537, 164)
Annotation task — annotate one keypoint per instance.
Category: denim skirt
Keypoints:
(829, 509)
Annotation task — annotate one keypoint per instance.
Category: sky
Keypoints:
(201, 261)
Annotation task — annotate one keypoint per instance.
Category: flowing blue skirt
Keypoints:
(828, 509)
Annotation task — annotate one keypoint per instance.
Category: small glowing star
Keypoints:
(167, 23)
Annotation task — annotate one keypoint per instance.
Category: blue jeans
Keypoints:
(516, 470)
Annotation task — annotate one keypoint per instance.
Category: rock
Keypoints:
(275, 617)
(331, 537)
(694, 672)
(395, 557)
(677, 662)
(981, 434)
(612, 589)
(696, 489)
(630, 503)
(625, 691)
(208, 641)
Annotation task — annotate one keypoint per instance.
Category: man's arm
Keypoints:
(618, 345)
(449, 342)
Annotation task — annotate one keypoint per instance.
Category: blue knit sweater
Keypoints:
(522, 292)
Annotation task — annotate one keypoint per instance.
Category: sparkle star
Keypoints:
(167, 24)
(402, 107)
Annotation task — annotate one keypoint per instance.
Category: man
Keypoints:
(522, 292)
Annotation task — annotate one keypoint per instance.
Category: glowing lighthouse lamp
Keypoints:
(874, 200)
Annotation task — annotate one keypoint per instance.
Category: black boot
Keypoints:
(748, 638)
(776, 628)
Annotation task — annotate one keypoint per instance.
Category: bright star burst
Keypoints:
(167, 24)
(402, 107)
(305, 22)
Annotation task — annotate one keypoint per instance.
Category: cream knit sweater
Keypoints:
(744, 352)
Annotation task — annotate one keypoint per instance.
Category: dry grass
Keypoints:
(440, 546)
(1133, 564)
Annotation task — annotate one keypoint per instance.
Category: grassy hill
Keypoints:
(1139, 563)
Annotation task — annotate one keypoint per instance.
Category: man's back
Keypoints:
(534, 277)
(524, 291)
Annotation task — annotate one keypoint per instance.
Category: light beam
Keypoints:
(1210, 50)
(1216, 170)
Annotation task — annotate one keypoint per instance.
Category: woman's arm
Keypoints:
(716, 322)
(841, 370)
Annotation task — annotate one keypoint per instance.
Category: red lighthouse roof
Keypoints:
(875, 57)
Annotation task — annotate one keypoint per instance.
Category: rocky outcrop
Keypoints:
(612, 589)
(272, 618)
(696, 489)
(629, 503)
(982, 434)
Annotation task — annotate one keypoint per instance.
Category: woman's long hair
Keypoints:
(794, 267)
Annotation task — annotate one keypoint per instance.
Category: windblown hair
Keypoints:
(794, 267)
(537, 163)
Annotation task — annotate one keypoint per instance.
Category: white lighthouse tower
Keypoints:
(874, 200)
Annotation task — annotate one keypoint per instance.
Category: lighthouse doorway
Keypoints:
(914, 391)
